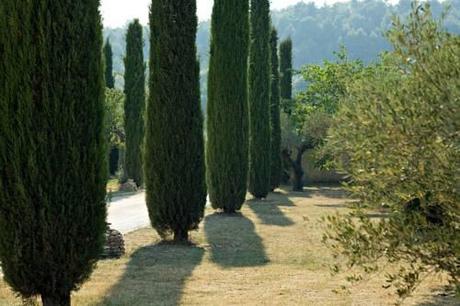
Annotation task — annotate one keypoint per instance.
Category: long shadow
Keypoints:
(378, 215)
(233, 241)
(445, 298)
(323, 190)
(331, 205)
(269, 212)
(156, 275)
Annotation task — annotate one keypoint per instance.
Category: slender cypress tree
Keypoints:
(108, 56)
(114, 153)
(259, 99)
(286, 74)
(227, 126)
(276, 164)
(134, 102)
(174, 146)
(52, 151)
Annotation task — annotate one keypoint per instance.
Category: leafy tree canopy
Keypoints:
(114, 101)
(396, 135)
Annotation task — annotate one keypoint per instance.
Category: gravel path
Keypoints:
(127, 214)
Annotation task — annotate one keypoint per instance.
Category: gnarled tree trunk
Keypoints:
(296, 165)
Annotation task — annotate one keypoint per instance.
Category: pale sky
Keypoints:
(117, 12)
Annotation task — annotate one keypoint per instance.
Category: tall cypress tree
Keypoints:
(108, 56)
(286, 74)
(134, 102)
(227, 126)
(259, 100)
(52, 151)
(174, 146)
(276, 164)
(114, 153)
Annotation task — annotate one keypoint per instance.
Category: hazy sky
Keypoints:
(118, 12)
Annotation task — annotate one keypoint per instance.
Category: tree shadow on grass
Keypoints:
(332, 206)
(446, 297)
(332, 190)
(269, 211)
(156, 275)
(233, 241)
(378, 215)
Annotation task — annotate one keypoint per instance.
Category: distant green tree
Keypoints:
(313, 109)
(174, 145)
(134, 103)
(53, 168)
(317, 31)
(276, 164)
(286, 75)
(259, 99)
(396, 136)
(227, 125)
(115, 129)
(108, 56)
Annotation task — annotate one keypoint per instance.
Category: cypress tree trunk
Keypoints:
(108, 56)
(174, 147)
(227, 126)
(53, 169)
(276, 163)
(286, 75)
(259, 100)
(134, 102)
(56, 300)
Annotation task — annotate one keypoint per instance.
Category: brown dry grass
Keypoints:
(270, 255)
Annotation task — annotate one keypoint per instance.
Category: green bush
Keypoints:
(397, 136)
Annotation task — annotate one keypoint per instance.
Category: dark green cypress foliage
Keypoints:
(108, 56)
(227, 125)
(275, 113)
(286, 74)
(174, 147)
(134, 103)
(110, 83)
(259, 99)
(52, 149)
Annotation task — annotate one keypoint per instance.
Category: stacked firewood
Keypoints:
(114, 245)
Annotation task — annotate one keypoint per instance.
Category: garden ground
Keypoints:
(271, 254)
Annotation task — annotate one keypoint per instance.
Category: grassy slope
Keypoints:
(271, 255)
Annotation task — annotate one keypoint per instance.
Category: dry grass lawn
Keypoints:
(269, 255)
